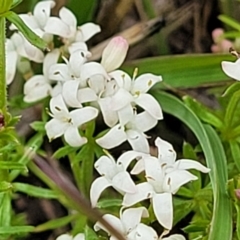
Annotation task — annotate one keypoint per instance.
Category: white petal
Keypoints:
(59, 72)
(76, 60)
(191, 164)
(64, 237)
(143, 232)
(86, 95)
(123, 182)
(232, 69)
(110, 117)
(97, 187)
(126, 158)
(36, 88)
(69, 92)
(166, 152)
(89, 70)
(68, 17)
(149, 104)
(144, 191)
(73, 138)
(79, 236)
(114, 53)
(83, 115)
(132, 217)
(50, 59)
(113, 138)
(114, 221)
(125, 114)
(163, 209)
(55, 128)
(57, 27)
(144, 82)
(78, 46)
(175, 179)
(33, 53)
(137, 141)
(106, 166)
(42, 11)
(58, 106)
(88, 30)
(120, 99)
(123, 79)
(154, 172)
(175, 237)
(144, 121)
(11, 65)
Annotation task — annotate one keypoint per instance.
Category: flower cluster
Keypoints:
(80, 90)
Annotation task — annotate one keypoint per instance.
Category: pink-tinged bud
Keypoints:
(114, 53)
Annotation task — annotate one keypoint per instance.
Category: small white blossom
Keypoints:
(132, 131)
(67, 123)
(39, 86)
(164, 177)
(112, 174)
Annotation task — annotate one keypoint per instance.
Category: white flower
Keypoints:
(164, 178)
(232, 69)
(79, 236)
(129, 225)
(132, 131)
(112, 174)
(66, 27)
(67, 123)
(133, 92)
(39, 86)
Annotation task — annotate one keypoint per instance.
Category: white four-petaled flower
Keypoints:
(67, 123)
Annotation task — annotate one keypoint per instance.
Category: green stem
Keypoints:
(3, 86)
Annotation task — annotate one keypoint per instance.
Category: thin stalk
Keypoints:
(3, 85)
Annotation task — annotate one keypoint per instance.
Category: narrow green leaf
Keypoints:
(16, 229)
(230, 110)
(238, 219)
(235, 151)
(216, 161)
(38, 126)
(5, 209)
(64, 151)
(230, 22)
(183, 71)
(204, 113)
(26, 31)
(12, 165)
(35, 191)
(56, 223)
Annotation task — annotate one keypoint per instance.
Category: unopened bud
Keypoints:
(237, 193)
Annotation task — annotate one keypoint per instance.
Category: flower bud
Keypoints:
(5, 5)
(114, 53)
